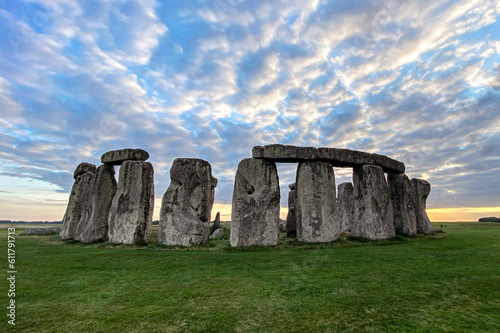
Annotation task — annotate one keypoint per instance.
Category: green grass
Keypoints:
(442, 283)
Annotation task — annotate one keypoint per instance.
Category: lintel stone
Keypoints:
(335, 156)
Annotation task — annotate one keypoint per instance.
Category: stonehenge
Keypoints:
(380, 203)
(420, 192)
(335, 156)
(256, 204)
(316, 206)
(131, 213)
(291, 219)
(95, 229)
(373, 215)
(370, 208)
(187, 204)
(117, 157)
(100, 209)
(78, 210)
(345, 206)
(405, 219)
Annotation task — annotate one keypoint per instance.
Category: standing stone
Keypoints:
(373, 217)
(95, 229)
(79, 207)
(316, 206)
(291, 217)
(131, 213)
(187, 204)
(420, 191)
(405, 220)
(213, 185)
(256, 204)
(216, 223)
(345, 205)
(84, 167)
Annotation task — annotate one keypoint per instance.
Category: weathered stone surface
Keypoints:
(282, 225)
(217, 234)
(83, 168)
(284, 153)
(405, 220)
(187, 204)
(373, 216)
(292, 187)
(316, 206)
(216, 224)
(291, 217)
(117, 157)
(79, 205)
(353, 158)
(256, 204)
(420, 190)
(345, 206)
(336, 157)
(41, 231)
(95, 229)
(131, 213)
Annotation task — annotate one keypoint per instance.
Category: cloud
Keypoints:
(416, 80)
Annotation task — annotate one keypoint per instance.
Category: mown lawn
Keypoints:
(442, 283)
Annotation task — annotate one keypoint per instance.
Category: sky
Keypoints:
(418, 81)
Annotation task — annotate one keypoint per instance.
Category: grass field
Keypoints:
(443, 283)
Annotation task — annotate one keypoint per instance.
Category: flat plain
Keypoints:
(443, 283)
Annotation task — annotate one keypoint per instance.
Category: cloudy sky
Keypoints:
(418, 81)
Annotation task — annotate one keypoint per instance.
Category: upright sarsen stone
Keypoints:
(316, 206)
(79, 207)
(95, 229)
(291, 218)
(131, 212)
(345, 206)
(420, 191)
(187, 204)
(373, 216)
(405, 220)
(83, 168)
(256, 204)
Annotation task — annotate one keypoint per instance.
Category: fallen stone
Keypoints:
(316, 206)
(405, 220)
(82, 168)
(95, 229)
(292, 187)
(335, 156)
(41, 231)
(256, 204)
(373, 216)
(187, 204)
(420, 191)
(79, 207)
(131, 213)
(217, 234)
(345, 206)
(291, 217)
(117, 157)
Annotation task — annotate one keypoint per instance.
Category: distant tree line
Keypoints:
(9, 221)
(489, 219)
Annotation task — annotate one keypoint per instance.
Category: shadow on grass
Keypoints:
(223, 245)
